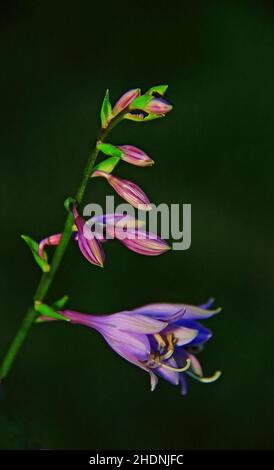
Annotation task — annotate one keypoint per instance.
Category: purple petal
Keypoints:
(156, 311)
(204, 334)
(191, 312)
(123, 321)
(182, 334)
(183, 382)
(167, 374)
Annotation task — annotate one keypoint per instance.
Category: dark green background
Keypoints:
(215, 151)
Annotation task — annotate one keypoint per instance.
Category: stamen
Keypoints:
(160, 341)
(206, 380)
(176, 369)
(170, 347)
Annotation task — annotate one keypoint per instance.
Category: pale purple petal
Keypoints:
(191, 312)
(155, 311)
(182, 334)
(204, 334)
(167, 374)
(122, 321)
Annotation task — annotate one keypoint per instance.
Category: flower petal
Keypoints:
(159, 312)
(204, 334)
(168, 374)
(122, 321)
(191, 312)
(182, 334)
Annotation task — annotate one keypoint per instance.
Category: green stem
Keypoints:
(47, 278)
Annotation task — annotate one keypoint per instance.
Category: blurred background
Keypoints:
(67, 389)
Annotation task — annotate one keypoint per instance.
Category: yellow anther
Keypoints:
(170, 347)
(160, 341)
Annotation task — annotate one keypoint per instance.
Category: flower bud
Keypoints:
(125, 101)
(127, 190)
(135, 156)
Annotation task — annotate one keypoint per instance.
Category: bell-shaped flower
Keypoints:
(126, 189)
(158, 338)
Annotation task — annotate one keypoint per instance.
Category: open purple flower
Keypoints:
(162, 339)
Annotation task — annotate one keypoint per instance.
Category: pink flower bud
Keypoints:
(125, 101)
(90, 247)
(135, 156)
(157, 106)
(51, 240)
(127, 190)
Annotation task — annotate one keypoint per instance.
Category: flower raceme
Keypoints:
(161, 339)
(136, 107)
(126, 189)
(91, 234)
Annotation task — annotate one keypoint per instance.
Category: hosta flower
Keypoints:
(126, 189)
(52, 240)
(100, 229)
(157, 106)
(144, 243)
(90, 247)
(125, 101)
(162, 339)
(135, 156)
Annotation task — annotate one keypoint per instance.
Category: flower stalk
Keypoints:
(48, 277)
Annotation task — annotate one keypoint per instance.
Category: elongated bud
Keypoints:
(52, 240)
(157, 106)
(127, 190)
(135, 156)
(125, 101)
(143, 243)
(90, 247)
